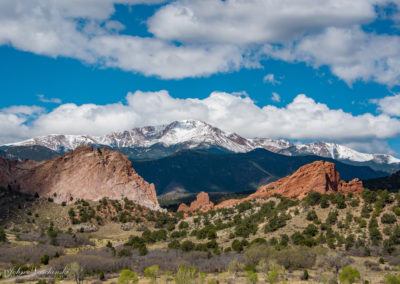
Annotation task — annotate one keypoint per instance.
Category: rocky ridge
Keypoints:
(84, 173)
(318, 176)
(163, 140)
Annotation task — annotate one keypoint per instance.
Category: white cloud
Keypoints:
(51, 28)
(389, 105)
(351, 53)
(254, 21)
(156, 57)
(13, 119)
(270, 78)
(203, 37)
(302, 119)
(22, 110)
(372, 146)
(42, 98)
(275, 97)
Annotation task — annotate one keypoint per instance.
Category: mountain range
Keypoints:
(154, 142)
(197, 170)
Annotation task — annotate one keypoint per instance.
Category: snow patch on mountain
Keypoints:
(193, 134)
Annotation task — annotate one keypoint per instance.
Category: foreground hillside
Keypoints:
(309, 226)
(274, 239)
(195, 171)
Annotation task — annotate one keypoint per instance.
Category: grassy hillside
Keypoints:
(254, 242)
(196, 171)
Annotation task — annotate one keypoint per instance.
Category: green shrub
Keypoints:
(369, 196)
(127, 277)
(174, 244)
(355, 202)
(187, 246)
(373, 223)
(313, 198)
(392, 279)
(124, 253)
(170, 226)
(273, 276)
(142, 250)
(332, 217)
(349, 275)
(45, 259)
(396, 210)
(375, 235)
(311, 230)
(152, 273)
(183, 225)
(365, 212)
(324, 202)
(349, 241)
(101, 276)
(312, 216)
(258, 241)
(251, 277)
(305, 275)
(395, 235)
(237, 245)
(186, 274)
(340, 201)
(388, 218)
(275, 222)
(297, 238)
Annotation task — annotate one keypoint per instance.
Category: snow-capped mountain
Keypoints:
(192, 133)
(163, 140)
(340, 152)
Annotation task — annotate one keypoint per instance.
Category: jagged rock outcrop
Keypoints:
(201, 204)
(84, 173)
(319, 176)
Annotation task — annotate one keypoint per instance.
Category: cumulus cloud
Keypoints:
(13, 119)
(351, 53)
(254, 21)
(156, 57)
(75, 29)
(301, 119)
(389, 105)
(195, 38)
(22, 110)
(372, 146)
(270, 78)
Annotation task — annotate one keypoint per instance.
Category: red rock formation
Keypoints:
(201, 204)
(319, 176)
(80, 174)
(183, 208)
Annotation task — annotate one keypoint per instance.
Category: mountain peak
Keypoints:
(162, 140)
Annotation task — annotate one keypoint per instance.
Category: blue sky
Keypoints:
(100, 66)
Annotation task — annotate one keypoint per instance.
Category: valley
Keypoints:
(307, 227)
